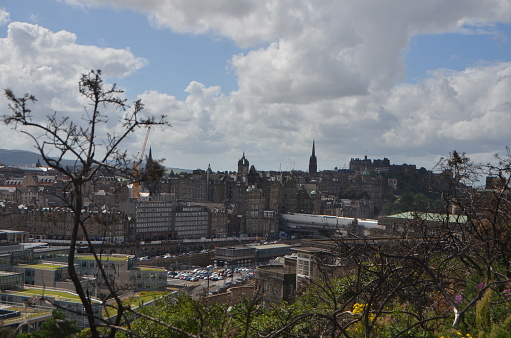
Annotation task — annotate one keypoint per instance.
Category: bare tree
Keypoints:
(60, 138)
(429, 277)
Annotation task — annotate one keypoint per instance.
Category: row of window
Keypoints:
(192, 218)
(184, 224)
(190, 227)
(153, 214)
(155, 226)
(154, 219)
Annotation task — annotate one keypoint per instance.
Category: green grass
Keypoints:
(142, 297)
(60, 295)
(44, 266)
(147, 296)
(135, 300)
(102, 258)
(146, 268)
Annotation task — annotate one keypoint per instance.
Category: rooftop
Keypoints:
(271, 246)
(45, 266)
(27, 313)
(309, 249)
(119, 258)
(150, 268)
(58, 295)
(8, 273)
(430, 217)
(12, 231)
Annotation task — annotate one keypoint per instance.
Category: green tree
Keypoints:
(353, 193)
(184, 316)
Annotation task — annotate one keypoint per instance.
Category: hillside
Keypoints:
(29, 158)
(18, 157)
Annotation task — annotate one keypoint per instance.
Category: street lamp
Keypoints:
(208, 274)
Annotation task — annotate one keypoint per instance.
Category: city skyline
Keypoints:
(406, 81)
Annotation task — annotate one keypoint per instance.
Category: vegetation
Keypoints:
(417, 191)
(352, 192)
(58, 294)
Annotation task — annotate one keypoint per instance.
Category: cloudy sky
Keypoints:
(406, 80)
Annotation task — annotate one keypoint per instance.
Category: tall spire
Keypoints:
(313, 162)
(149, 160)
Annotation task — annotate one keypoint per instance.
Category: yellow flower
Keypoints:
(358, 308)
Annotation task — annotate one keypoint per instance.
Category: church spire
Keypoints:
(313, 162)
(150, 157)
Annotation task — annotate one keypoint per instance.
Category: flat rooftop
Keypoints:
(150, 268)
(119, 258)
(429, 217)
(44, 266)
(309, 249)
(271, 246)
(8, 273)
(58, 295)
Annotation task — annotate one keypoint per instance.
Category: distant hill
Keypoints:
(19, 157)
(29, 158)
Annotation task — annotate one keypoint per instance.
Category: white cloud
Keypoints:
(33, 54)
(4, 16)
(308, 51)
(467, 110)
(48, 65)
(324, 70)
(470, 106)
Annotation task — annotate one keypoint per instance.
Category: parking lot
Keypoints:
(215, 280)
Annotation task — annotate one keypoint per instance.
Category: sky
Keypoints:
(411, 81)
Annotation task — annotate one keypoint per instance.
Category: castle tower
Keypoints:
(243, 165)
(313, 162)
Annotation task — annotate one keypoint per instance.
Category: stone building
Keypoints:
(57, 223)
(377, 165)
(191, 222)
(155, 221)
(275, 284)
